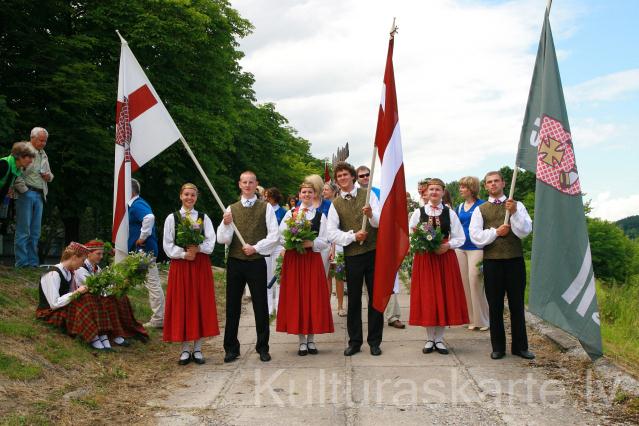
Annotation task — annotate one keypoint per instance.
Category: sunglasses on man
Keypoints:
(364, 175)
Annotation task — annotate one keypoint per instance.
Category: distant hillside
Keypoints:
(630, 226)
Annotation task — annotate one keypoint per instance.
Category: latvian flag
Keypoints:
(392, 234)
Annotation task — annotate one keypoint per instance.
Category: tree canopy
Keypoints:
(59, 70)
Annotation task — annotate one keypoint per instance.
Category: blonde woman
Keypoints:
(470, 256)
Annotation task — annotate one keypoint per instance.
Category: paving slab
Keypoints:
(441, 414)
(410, 386)
(200, 392)
(308, 415)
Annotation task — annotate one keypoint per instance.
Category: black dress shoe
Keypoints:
(303, 350)
(376, 351)
(351, 350)
(231, 356)
(428, 349)
(264, 356)
(313, 350)
(198, 360)
(497, 355)
(443, 350)
(525, 354)
(185, 361)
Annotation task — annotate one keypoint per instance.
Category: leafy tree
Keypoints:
(614, 255)
(630, 226)
(59, 70)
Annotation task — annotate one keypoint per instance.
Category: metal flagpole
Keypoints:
(208, 183)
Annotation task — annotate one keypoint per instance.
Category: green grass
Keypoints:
(60, 351)
(620, 320)
(15, 369)
(17, 328)
(22, 419)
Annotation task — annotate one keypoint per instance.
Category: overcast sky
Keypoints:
(463, 71)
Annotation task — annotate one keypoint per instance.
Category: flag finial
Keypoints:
(548, 5)
(121, 38)
(394, 29)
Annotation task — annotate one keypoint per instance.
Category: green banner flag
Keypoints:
(562, 281)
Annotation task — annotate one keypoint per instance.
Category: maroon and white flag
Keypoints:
(392, 234)
(144, 129)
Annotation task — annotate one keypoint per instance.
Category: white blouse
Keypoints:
(321, 242)
(81, 274)
(50, 283)
(176, 252)
(520, 224)
(457, 236)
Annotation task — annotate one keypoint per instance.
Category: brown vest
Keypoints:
(350, 218)
(507, 247)
(251, 222)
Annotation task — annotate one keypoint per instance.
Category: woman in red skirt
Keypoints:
(119, 308)
(190, 313)
(304, 307)
(72, 309)
(437, 296)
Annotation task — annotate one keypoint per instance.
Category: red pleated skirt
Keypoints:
(436, 291)
(304, 306)
(190, 311)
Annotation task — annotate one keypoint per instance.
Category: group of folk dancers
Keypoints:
(443, 289)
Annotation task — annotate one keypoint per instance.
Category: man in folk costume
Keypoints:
(142, 236)
(256, 222)
(344, 223)
(504, 267)
(122, 316)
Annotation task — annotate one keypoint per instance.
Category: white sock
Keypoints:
(439, 333)
(96, 343)
(429, 344)
(118, 340)
(430, 333)
(105, 341)
(197, 345)
(186, 346)
(302, 338)
(310, 339)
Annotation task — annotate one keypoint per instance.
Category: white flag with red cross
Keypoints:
(144, 129)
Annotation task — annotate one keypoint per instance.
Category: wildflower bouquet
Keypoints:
(425, 238)
(189, 233)
(117, 280)
(298, 230)
(339, 272)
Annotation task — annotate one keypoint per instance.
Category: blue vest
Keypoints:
(137, 211)
(279, 214)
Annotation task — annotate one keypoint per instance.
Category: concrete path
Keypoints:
(402, 386)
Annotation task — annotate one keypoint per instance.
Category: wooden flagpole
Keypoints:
(370, 181)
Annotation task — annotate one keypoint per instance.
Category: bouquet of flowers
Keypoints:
(425, 238)
(339, 272)
(189, 233)
(298, 230)
(117, 280)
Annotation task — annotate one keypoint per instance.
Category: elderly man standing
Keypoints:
(32, 190)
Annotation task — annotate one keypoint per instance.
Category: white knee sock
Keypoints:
(430, 333)
(197, 345)
(302, 338)
(311, 341)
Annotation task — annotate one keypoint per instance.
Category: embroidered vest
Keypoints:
(507, 247)
(444, 220)
(251, 222)
(350, 218)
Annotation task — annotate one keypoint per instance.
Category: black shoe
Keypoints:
(303, 350)
(197, 360)
(443, 350)
(351, 350)
(231, 356)
(427, 350)
(376, 351)
(264, 356)
(313, 350)
(497, 355)
(525, 354)
(184, 361)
